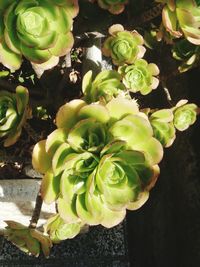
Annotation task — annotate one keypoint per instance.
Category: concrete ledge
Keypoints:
(17, 201)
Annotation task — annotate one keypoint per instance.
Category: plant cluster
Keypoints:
(103, 157)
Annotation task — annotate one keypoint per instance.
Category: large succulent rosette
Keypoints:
(26, 239)
(182, 17)
(140, 76)
(123, 46)
(38, 30)
(14, 111)
(113, 6)
(106, 85)
(100, 161)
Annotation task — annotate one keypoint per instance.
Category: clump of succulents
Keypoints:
(14, 111)
(38, 30)
(182, 17)
(124, 47)
(163, 126)
(28, 240)
(100, 161)
(184, 115)
(140, 76)
(58, 230)
(187, 53)
(106, 85)
(103, 157)
(113, 6)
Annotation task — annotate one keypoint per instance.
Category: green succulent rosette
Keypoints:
(123, 46)
(187, 53)
(184, 115)
(182, 17)
(26, 239)
(14, 111)
(106, 85)
(58, 230)
(163, 126)
(113, 6)
(39, 30)
(100, 161)
(140, 76)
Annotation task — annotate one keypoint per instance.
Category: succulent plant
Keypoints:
(123, 46)
(163, 127)
(38, 30)
(28, 240)
(100, 161)
(187, 53)
(139, 77)
(113, 6)
(184, 115)
(58, 230)
(106, 85)
(14, 111)
(182, 17)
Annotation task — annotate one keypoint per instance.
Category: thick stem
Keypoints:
(31, 132)
(5, 85)
(152, 13)
(148, 15)
(36, 213)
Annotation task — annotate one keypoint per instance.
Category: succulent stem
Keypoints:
(148, 15)
(151, 13)
(31, 132)
(36, 213)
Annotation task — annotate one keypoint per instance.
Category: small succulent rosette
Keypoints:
(140, 76)
(26, 239)
(14, 112)
(181, 18)
(187, 53)
(184, 115)
(58, 230)
(38, 30)
(163, 126)
(106, 85)
(113, 6)
(124, 47)
(100, 161)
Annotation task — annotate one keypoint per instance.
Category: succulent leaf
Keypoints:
(187, 53)
(139, 77)
(163, 127)
(28, 240)
(106, 85)
(181, 17)
(123, 46)
(58, 230)
(184, 115)
(37, 30)
(14, 112)
(113, 6)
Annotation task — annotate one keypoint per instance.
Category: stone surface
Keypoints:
(17, 200)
